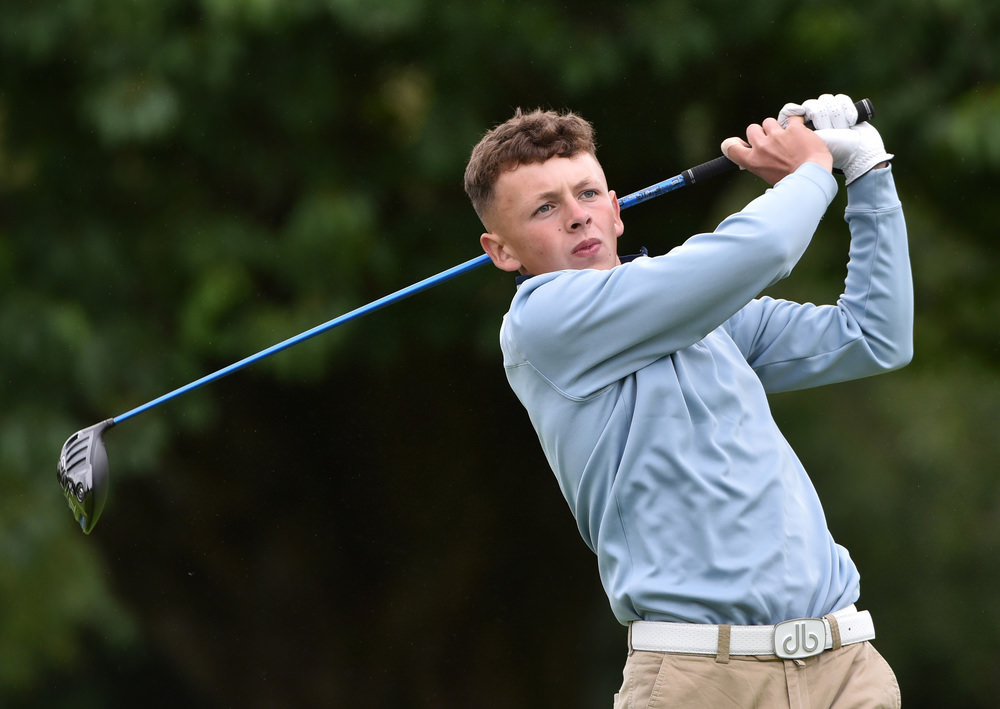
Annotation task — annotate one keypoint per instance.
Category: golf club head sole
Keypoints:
(83, 473)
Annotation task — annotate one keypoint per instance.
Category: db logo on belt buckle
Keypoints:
(803, 637)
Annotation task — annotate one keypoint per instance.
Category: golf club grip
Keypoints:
(722, 164)
(708, 170)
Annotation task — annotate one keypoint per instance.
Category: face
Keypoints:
(554, 215)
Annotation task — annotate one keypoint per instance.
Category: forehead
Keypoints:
(529, 180)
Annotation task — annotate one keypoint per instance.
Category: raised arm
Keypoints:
(869, 330)
(585, 329)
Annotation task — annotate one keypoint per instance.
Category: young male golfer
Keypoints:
(647, 380)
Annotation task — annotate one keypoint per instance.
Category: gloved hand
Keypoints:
(856, 147)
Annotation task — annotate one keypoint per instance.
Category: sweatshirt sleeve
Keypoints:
(869, 329)
(583, 330)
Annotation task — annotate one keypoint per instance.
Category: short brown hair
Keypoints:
(524, 138)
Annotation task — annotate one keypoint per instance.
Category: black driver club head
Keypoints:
(83, 473)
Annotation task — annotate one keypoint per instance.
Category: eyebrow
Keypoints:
(585, 182)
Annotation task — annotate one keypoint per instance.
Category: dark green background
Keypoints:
(366, 519)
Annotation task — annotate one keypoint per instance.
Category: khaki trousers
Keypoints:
(853, 677)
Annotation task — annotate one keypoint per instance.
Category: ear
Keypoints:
(502, 257)
(616, 205)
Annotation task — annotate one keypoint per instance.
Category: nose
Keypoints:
(577, 217)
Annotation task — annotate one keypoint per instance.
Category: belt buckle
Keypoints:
(800, 637)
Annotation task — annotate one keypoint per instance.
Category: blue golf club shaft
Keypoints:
(688, 177)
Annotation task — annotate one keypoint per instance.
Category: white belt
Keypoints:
(792, 639)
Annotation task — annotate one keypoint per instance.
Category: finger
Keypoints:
(736, 149)
(846, 110)
(789, 110)
(755, 132)
(816, 113)
(771, 125)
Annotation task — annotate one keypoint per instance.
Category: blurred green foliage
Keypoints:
(365, 520)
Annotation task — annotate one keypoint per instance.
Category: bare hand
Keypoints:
(772, 152)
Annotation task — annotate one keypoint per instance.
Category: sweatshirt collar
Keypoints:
(624, 259)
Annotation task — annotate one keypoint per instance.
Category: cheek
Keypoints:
(535, 240)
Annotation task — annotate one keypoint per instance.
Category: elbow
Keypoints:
(888, 338)
(905, 355)
(900, 347)
(896, 356)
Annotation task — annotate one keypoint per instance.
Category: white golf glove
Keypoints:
(856, 147)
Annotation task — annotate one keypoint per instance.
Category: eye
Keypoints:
(544, 209)
(588, 194)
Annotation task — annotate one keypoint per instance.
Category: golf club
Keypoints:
(82, 470)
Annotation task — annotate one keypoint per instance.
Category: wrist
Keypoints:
(866, 164)
(824, 160)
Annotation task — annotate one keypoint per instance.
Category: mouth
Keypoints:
(587, 247)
